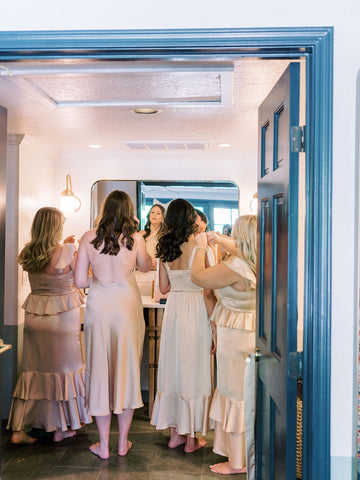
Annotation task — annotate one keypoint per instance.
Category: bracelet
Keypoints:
(201, 248)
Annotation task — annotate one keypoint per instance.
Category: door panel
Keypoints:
(277, 280)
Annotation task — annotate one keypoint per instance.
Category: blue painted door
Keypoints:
(276, 334)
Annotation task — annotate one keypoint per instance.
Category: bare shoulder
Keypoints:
(89, 235)
(58, 251)
(139, 236)
(189, 245)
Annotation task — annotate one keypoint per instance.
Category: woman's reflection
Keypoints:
(153, 228)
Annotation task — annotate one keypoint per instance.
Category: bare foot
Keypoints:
(124, 451)
(100, 452)
(59, 435)
(225, 468)
(21, 438)
(193, 444)
(176, 440)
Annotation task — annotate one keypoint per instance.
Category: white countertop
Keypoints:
(149, 302)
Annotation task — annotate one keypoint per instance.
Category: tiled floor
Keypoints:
(149, 458)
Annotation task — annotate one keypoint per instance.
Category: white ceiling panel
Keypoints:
(200, 105)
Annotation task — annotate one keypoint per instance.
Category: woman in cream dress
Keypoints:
(184, 376)
(114, 322)
(152, 230)
(50, 392)
(234, 315)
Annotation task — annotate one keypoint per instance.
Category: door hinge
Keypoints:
(295, 365)
(297, 139)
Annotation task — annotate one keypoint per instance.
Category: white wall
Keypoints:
(36, 189)
(344, 15)
(86, 169)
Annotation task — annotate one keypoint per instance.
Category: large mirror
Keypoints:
(218, 200)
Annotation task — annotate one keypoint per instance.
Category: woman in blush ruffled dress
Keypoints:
(50, 391)
(234, 316)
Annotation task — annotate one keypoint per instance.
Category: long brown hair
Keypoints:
(147, 227)
(117, 224)
(46, 232)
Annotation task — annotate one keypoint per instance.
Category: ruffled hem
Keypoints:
(48, 414)
(240, 320)
(188, 416)
(53, 304)
(60, 386)
(230, 414)
(49, 400)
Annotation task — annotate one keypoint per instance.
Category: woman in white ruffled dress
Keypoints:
(184, 384)
(50, 391)
(234, 315)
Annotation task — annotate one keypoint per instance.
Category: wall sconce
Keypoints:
(253, 204)
(69, 203)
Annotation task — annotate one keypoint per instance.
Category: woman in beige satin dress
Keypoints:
(50, 392)
(234, 315)
(114, 322)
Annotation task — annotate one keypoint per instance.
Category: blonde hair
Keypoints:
(244, 233)
(46, 231)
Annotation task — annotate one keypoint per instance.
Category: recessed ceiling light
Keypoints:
(224, 145)
(145, 111)
(94, 146)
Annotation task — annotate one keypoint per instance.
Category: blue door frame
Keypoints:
(314, 43)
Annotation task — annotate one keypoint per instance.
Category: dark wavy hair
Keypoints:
(148, 224)
(203, 217)
(117, 220)
(179, 225)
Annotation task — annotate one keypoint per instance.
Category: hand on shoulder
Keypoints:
(139, 235)
(213, 237)
(201, 240)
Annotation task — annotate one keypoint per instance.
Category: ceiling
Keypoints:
(72, 104)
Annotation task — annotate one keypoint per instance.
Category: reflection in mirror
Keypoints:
(218, 200)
